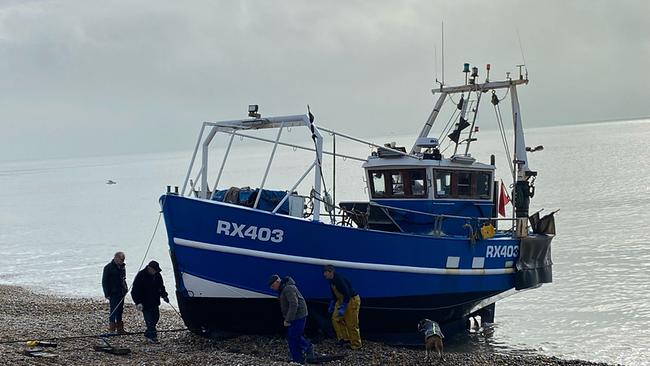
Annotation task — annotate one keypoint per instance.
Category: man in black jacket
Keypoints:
(147, 290)
(115, 288)
(344, 308)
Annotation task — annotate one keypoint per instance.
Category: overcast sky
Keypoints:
(85, 78)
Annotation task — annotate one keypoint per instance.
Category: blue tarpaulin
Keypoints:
(247, 196)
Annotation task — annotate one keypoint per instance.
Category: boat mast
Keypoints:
(520, 158)
(430, 120)
(446, 90)
(318, 172)
(521, 185)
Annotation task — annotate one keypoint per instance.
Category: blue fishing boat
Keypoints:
(427, 243)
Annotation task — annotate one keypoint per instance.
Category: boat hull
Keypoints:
(223, 254)
(224, 316)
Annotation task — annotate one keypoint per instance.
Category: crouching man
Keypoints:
(294, 312)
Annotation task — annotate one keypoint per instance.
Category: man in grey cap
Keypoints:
(148, 288)
(294, 312)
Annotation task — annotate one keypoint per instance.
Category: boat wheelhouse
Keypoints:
(428, 242)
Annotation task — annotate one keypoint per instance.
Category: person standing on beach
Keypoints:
(344, 308)
(115, 288)
(294, 312)
(148, 288)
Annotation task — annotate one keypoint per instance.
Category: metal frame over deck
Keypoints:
(233, 128)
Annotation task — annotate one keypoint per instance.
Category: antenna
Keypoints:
(443, 54)
(435, 61)
(521, 49)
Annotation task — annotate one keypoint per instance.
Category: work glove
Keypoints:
(342, 309)
(139, 307)
(330, 309)
(166, 299)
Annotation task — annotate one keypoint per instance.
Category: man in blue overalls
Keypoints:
(294, 312)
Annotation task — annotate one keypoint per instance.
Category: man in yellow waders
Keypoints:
(344, 308)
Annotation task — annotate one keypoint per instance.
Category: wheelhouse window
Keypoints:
(462, 184)
(398, 183)
(379, 187)
(483, 180)
(443, 184)
(417, 181)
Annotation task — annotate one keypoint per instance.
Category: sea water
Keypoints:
(60, 223)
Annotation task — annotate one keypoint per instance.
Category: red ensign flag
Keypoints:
(504, 199)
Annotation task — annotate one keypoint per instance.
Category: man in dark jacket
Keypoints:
(344, 308)
(147, 290)
(115, 288)
(294, 312)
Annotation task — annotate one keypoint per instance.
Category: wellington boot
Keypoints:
(120, 327)
(111, 327)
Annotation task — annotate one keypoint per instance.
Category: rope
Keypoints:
(342, 222)
(153, 235)
(176, 311)
(103, 335)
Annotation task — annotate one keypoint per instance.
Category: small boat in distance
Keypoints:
(428, 242)
(111, 182)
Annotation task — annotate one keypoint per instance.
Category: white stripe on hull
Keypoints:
(339, 263)
(199, 287)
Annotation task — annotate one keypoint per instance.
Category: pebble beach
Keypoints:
(74, 323)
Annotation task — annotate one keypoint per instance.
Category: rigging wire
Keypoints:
(504, 139)
(447, 127)
(523, 58)
(451, 100)
(446, 147)
(504, 95)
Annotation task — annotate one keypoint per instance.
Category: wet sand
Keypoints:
(27, 315)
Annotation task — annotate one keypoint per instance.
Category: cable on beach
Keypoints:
(88, 336)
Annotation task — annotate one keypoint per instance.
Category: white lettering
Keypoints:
(502, 251)
(264, 234)
(277, 235)
(223, 227)
(237, 229)
(490, 251)
(251, 232)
